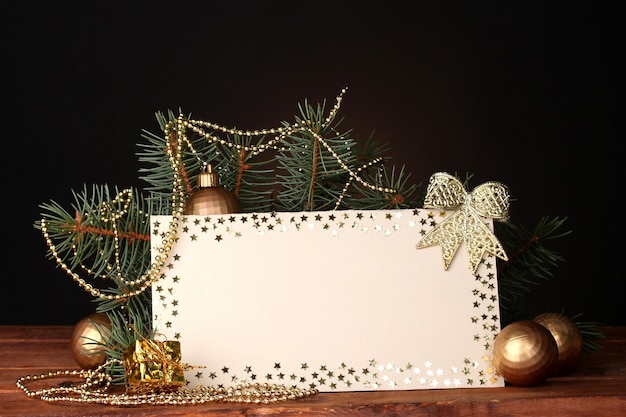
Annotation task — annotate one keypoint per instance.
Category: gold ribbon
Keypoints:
(490, 199)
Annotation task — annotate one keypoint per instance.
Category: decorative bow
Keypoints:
(490, 199)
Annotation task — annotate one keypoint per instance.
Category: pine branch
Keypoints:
(103, 220)
(130, 322)
(406, 195)
(590, 331)
(530, 261)
(158, 172)
(310, 175)
(309, 166)
(105, 246)
(248, 175)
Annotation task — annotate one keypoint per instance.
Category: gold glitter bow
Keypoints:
(490, 199)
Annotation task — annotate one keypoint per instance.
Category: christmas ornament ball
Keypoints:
(88, 334)
(569, 340)
(524, 353)
(210, 197)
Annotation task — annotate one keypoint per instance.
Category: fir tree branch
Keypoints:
(531, 263)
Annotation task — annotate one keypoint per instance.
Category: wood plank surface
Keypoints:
(595, 388)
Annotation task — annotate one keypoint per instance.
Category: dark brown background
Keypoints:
(525, 93)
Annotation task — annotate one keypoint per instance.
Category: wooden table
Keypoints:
(597, 387)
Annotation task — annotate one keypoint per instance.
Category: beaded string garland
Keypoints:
(177, 142)
(94, 390)
(97, 381)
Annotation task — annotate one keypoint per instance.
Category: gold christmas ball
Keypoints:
(210, 197)
(215, 200)
(87, 338)
(524, 353)
(569, 340)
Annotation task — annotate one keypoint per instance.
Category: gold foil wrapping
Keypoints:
(153, 366)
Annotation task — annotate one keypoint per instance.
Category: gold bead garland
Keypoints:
(283, 132)
(97, 381)
(175, 134)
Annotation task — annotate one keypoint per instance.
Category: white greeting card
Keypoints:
(332, 300)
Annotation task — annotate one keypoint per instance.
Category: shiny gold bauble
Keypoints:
(211, 197)
(87, 339)
(524, 353)
(569, 340)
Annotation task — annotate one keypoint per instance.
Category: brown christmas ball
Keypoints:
(569, 340)
(87, 338)
(211, 197)
(524, 353)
